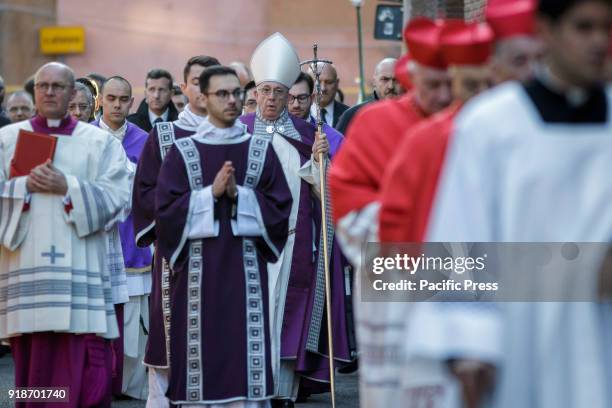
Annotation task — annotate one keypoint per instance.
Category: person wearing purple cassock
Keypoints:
(158, 143)
(58, 285)
(296, 282)
(222, 214)
(133, 316)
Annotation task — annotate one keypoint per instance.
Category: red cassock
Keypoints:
(409, 185)
(357, 169)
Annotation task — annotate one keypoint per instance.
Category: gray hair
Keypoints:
(22, 94)
(80, 87)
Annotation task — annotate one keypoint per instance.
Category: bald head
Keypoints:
(329, 82)
(243, 72)
(118, 81)
(117, 101)
(53, 89)
(384, 82)
(385, 65)
(57, 68)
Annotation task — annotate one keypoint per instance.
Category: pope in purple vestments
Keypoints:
(304, 327)
(218, 250)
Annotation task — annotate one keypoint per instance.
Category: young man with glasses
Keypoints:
(160, 139)
(223, 206)
(296, 285)
(299, 101)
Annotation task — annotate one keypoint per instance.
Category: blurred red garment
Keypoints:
(409, 186)
(357, 170)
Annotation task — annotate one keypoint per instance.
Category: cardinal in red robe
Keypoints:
(354, 181)
(411, 180)
(357, 169)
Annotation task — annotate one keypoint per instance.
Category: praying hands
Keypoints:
(225, 181)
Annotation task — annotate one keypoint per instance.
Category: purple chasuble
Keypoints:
(304, 332)
(220, 345)
(143, 213)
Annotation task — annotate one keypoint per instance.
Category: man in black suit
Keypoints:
(331, 109)
(157, 105)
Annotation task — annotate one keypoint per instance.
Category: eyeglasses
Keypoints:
(224, 94)
(301, 98)
(250, 103)
(81, 106)
(55, 87)
(277, 92)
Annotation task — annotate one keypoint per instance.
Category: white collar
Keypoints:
(210, 134)
(119, 133)
(189, 120)
(153, 116)
(54, 123)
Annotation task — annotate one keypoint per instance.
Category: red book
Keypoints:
(32, 149)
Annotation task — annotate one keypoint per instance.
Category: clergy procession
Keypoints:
(211, 247)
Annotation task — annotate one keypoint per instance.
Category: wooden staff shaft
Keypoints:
(328, 302)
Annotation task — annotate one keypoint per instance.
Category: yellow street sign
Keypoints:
(62, 40)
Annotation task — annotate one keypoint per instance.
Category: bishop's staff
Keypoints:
(314, 66)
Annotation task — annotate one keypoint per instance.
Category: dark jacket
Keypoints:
(339, 109)
(141, 117)
(347, 116)
(4, 120)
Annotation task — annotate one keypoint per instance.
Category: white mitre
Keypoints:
(275, 60)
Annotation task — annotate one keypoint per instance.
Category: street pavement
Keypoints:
(346, 391)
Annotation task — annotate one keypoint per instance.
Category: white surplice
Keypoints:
(511, 177)
(55, 274)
